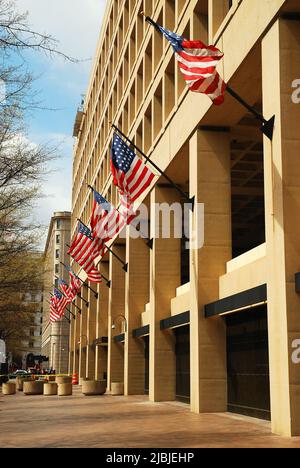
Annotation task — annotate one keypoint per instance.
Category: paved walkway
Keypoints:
(106, 421)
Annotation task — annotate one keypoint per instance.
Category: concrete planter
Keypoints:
(82, 380)
(63, 379)
(9, 388)
(117, 388)
(20, 382)
(94, 387)
(33, 388)
(65, 389)
(50, 389)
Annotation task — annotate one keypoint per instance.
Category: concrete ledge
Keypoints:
(94, 387)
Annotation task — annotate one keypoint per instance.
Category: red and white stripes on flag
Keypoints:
(130, 174)
(198, 63)
(85, 249)
(54, 315)
(106, 222)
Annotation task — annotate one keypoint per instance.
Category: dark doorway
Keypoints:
(248, 363)
(182, 351)
(146, 343)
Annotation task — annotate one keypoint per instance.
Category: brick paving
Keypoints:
(133, 422)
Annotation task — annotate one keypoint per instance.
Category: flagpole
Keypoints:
(175, 186)
(83, 282)
(267, 127)
(125, 265)
(149, 242)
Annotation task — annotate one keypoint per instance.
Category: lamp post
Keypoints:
(113, 326)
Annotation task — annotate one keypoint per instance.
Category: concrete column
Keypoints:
(76, 336)
(115, 370)
(165, 277)
(101, 325)
(83, 335)
(136, 296)
(71, 341)
(210, 183)
(91, 332)
(280, 67)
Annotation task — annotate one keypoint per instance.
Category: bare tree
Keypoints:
(22, 167)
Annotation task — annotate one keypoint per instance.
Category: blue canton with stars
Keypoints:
(85, 231)
(63, 282)
(57, 294)
(122, 155)
(175, 40)
(105, 205)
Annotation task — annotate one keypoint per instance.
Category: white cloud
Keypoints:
(75, 23)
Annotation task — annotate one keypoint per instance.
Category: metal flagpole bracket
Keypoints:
(192, 202)
(125, 267)
(108, 284)
(268, 128)
(147, 158)
(150, 244)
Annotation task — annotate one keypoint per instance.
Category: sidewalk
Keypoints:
(133, 422)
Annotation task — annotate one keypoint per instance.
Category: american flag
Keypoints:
(60, 302)
(85, 249)
(126, 208)
(54, 315)
(130, 174)
(106, 222)
(198, 62)
(68, 292)
(75, 282)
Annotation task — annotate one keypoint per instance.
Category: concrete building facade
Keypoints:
(212, 326)
(55, 337)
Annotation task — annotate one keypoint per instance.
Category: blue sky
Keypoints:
(76, 24)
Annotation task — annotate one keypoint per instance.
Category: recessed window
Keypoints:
(58, 238)
(57, 253)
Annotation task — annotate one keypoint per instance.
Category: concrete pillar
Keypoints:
(71, 340)
(76, 336)
(280, 67)
(136, 296)
(165, 266)
(83, 335)
(115, 370)
(91, 332)
(210, 183)
(101, 325)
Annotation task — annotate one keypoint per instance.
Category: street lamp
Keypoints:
(113, 326)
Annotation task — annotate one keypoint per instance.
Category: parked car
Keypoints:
(19, 373)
